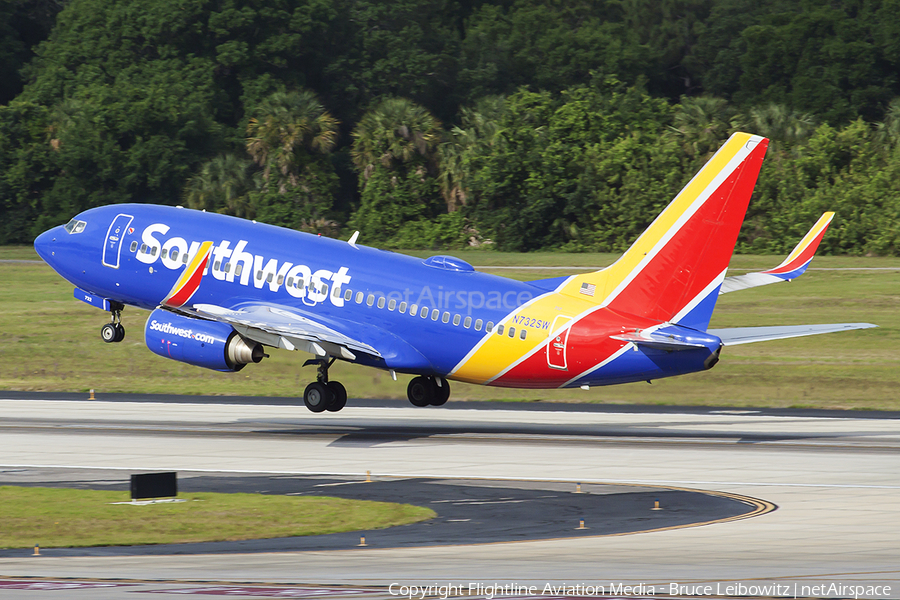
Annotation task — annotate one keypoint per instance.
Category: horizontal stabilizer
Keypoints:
(792, 267)
(745, 335)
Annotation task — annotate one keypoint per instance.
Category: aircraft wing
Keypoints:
(745, 335)
(283, 327)
(793, 266)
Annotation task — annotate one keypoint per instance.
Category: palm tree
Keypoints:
(888, 131)
(781, 124)
(286, 130)
(478, 132)
(703, 123)
(395, 133)
(221, 185)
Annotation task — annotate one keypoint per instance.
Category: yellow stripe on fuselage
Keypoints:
(496, 352)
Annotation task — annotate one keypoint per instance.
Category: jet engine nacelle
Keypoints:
(198, 342)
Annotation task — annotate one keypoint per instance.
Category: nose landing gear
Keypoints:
(428, 391)
(114, 331)
(322, 395)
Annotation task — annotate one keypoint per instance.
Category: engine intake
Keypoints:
(207, 344)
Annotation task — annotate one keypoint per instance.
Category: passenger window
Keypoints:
(499, 329)
(143, 248)
(512, 332)
(280, 279)
(445, 318)
(259, 274)
(489, 327)
(164, 253)
(435, 314)
(424, 312)
(456, 319)
(347, 295)
(300, 283)
(392, 304)
(228, 268)
(174, 254)
(237, 269)
(381, 302)
(325, 289)
(153, 251)
(370, 300)
(522, 334)
(185, 258)
(359, 297)
(134, 247)
(413, 310)
(478, 325)
(215, 266)
(402, 307)
(468, 322)
(270, 277)
(290, 280)
(336, 292)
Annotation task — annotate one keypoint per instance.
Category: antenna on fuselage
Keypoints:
(353, 238)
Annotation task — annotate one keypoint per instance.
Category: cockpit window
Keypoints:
(75, 226)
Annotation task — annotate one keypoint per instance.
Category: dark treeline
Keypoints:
(523, 124)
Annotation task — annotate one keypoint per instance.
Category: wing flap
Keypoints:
(283, 328)
(746, 335)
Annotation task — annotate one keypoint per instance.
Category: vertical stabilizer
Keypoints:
(675, 268)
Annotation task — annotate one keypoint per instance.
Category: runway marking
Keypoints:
(52, 586)
(265, 592)
(641, 482)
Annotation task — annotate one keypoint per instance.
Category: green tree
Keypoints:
(221, 185)
(285, 134)
(476, 135)
(702, 124)
(395, 150)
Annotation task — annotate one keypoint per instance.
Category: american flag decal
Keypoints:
(588, 289)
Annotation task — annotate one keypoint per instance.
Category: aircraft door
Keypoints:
(556, 348)
(112, 245)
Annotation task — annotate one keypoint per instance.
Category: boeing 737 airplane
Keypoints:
(222, 290)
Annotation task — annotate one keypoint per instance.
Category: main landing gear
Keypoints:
(428, 391)
(114, 331)
(322, 395)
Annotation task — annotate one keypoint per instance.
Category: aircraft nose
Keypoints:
(45, 243)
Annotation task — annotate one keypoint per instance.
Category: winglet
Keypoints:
(792, 267)
(189, 281)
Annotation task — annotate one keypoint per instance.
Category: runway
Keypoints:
(834, 480)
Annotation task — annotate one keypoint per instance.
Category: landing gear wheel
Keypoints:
(317, 397)
(120, 332)
(441, 393)
(109, 333)
(421, 391)
(339, 396)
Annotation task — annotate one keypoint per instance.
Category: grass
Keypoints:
(51, 343)
(57, 518)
